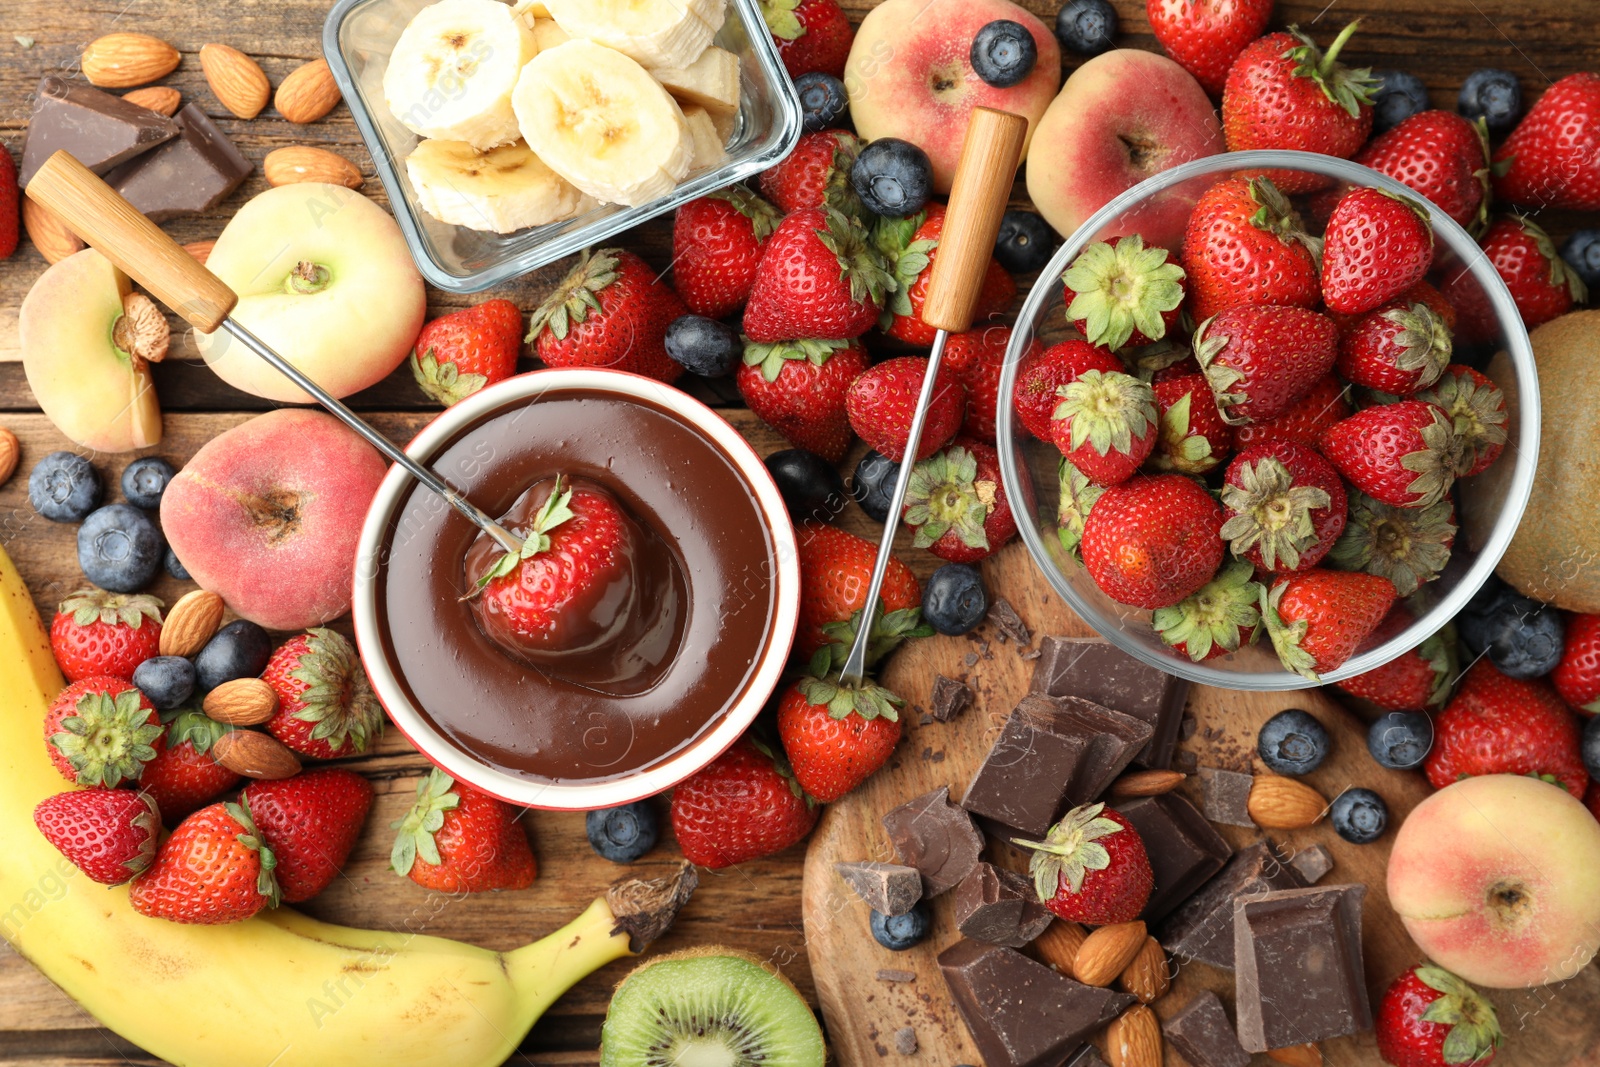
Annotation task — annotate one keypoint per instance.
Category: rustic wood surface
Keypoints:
(756, 907)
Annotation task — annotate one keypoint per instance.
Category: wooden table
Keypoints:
(755, 907)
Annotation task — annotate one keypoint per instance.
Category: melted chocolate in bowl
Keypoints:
(604, 713)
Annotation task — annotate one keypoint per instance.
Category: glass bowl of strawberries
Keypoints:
(1242, 396)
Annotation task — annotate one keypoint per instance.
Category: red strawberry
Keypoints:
(743, 806)
(459, 353)
(1376, 247)
(812, 35)
(1541, 283)
(326, 707)
(835, 569)
(183, 778)
(100, 730)
(717, 241)
(1405, 454)
(1260, 360)
(1285, 504)
(1442, 157)
(100, 633)
(975, 359)
(1408, 546)
(1217, 618)
(626, 331)
(1284, 92)
(957, 505)
(819, 277)
(835, 735)
(1418, 680)
(213, 869)
(1477, 409)
(1501, 725)
(1106, 424)
(1206, 36)
(881, 403)
(1475, 316)
(1244, 244)
(1153, 540)
(1304, 421)
(1043, 374)
(1124, 295)
(310, 821)
(10, 206)
(816, 174)
(1193, 437)
(1552, 158)
(1092, 867)
(909, 247)
(798, 388)
(1399, 349)
(1577, 676)
(458, 840)
(1430, 1018)
(1318, 618)
(108, 834)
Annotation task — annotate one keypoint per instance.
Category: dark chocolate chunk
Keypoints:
(1203, 1035)
(1185, 850)
(1021, 1013)
(185, 176)
(1052, 753)
(1099, 671)
(1298, 978)
(1185, 761)
(1202, 927)
(99, 130)
(886, 887)
(1008, 623)
(905, 1041)
(1311, 863)
(999, 906)
(950, 698)
(936, 837)
(1225, 796)
(1187, 727)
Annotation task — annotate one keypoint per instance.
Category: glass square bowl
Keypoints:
(357, 39)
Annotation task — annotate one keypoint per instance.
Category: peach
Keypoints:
(1122, 117)
(1497, 879)
(267, 516)
(909, 75)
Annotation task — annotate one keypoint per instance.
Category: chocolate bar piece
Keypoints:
(1225, 795)
(1311, 863)
(999, 906)
(1008, 623)
(950, 698)
(1184, 849)
(1099, 671)
(187, 175)
(98, 129)
(1052, 753)
(886, 887)
(1202, 927)
(1298, 977)
(936, 837)
(1021, 1013)
(1203, 1035)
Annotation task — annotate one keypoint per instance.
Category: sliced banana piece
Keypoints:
(547, 33)
(452, 71)
(708, 150)
(505, 189)
(529, 10)
(657, 33)
(712, 81)
(600, 121)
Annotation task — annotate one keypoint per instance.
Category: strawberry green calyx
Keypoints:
(1078, 495)
(770, 357)
(1477, 412)
(1348, 88)
(1275, 215)
(1119, 289)
(193, 726)
(444, 382)
(868, 700)
(109, 739)
(780, 763)
(1271, 513)
(553, 513)
(1215, 615)
(1108, 410)
(1560, 273)
(1440, 652)
(764, 218)
(1474, 1028)
(1221, 377)
(88, 606)
(1286, 637)
(1408, 546)
(1435, 463)
(1070, 849)
(426, 817)
(148, 822)
(576, 296)
(888, 631)
(781, 19)
(1179, 450)
(250, 837)
(905, 258)
(944, 493)
(1424, 342)
(846, 238)
(338, 698)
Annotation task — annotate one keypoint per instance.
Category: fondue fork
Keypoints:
(990, 153)
(143, 251)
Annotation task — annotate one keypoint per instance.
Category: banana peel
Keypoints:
(281, 989)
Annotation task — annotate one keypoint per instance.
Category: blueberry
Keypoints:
(1400, 740)
(1003, 53)
(1492, 95)
(1582, 253)
(63, 487)
(1025, 242)
(900, 932)
(623, 834)
(239, 650)
(1086, 26)
(954, 599)
(167, 680)
(873, 484)
(1359, 816)
(823, 100)
(175, 566)
(1292, 742)
(120, 548)
(145, 479)
(1521, 636)
(1591, 746)
(811, 487)
(704, 346)
(1400, 95)
(892, 177)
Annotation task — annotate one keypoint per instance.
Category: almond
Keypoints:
(255, 755)
(1148, 976)
(48, 233)
(238, 80)
(158, 98)
(1059, 944)
(241, 702)
(193, 621)
(10, 452)
(302, 163)
(308, 93)
(1106, 952)
(1297, 1055)
(1147, 783)
(1278, 803)
(123, 60)
(200, 250)
(1134, 1039)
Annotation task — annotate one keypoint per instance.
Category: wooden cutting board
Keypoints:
(1557, 1026)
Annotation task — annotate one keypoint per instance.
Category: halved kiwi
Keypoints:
(709, 1007)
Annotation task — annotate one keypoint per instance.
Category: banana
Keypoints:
(599, 120)
(502, 190)
(657, 33)
(529, 10)
(451, 73)
(281, 989)
(708, 149)
(712, 81)
(547, 33)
